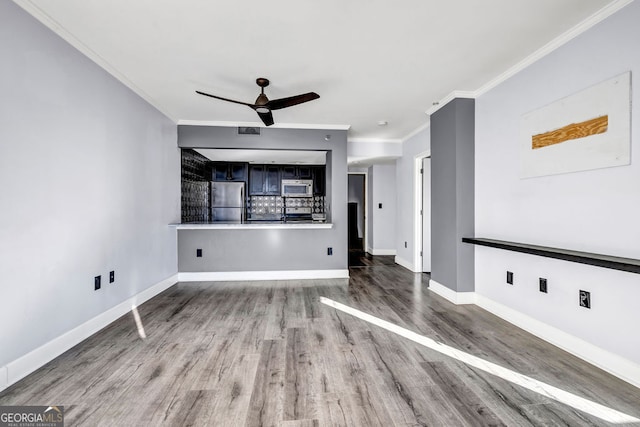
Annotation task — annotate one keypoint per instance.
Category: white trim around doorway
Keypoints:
(417, 206)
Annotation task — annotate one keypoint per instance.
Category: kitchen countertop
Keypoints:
(248, 225)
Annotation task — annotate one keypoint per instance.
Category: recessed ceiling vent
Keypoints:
(248, 131)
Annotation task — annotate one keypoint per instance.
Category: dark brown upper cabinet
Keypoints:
(229, 171)
(319, 176)
(296, 172)
(264, 180)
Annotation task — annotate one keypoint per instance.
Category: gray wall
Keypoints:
(452, 195)
(382, 232)
(594, 211)
(280, 249)
(89, 181)
(259, 250)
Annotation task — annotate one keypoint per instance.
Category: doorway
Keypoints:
(426, 215)
(356, 213)
(422, 213)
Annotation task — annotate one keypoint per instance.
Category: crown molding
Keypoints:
(58, 29)
(554, 44)
(450, 97)
(183, 122)
(417, 130)
(376, 140)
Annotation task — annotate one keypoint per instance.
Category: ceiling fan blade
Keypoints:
(277, 104)
(267, 118)
(224, 99)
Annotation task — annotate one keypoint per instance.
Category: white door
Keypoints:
(426, 215)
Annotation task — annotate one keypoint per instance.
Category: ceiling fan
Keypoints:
(263, 106)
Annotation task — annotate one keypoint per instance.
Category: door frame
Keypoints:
(417, 205)
(365, 230)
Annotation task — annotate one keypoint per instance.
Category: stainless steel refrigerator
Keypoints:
(227, 201)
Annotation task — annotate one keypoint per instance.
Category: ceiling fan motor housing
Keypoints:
(260, 104)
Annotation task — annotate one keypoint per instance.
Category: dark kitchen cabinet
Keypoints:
(264, 180)
(272, 180)
(229, 171)
(219, 171)
(319, 176)
(296, 172)
(304, 172)
(289, 172)
(256, 180)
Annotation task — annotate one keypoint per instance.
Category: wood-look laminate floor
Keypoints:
(271, 354)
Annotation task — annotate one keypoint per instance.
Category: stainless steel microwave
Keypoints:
(297, 188)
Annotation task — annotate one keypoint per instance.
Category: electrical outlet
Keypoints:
(379, 205)
(199, 253)
(510, 277)
(585, 299)
(112, 276)
(543, 285)
(96, 282)
(329, 251)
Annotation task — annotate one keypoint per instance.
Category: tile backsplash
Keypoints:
(318, 205)
(272, 206)
(268, 206)
(195, 187)
(195, 201)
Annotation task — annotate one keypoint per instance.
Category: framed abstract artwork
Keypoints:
(588, 130)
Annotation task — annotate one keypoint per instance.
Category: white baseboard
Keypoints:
(229, 276)
(23, 366)
(458, 298)
(612, 363)
(406, 264)
(381, 251)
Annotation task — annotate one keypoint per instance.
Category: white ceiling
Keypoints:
(368, 60)
(278, 157)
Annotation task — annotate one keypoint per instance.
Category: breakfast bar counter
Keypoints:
(248, 225)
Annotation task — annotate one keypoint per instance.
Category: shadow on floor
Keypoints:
(359, 258)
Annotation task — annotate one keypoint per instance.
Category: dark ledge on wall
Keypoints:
(607, 261)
